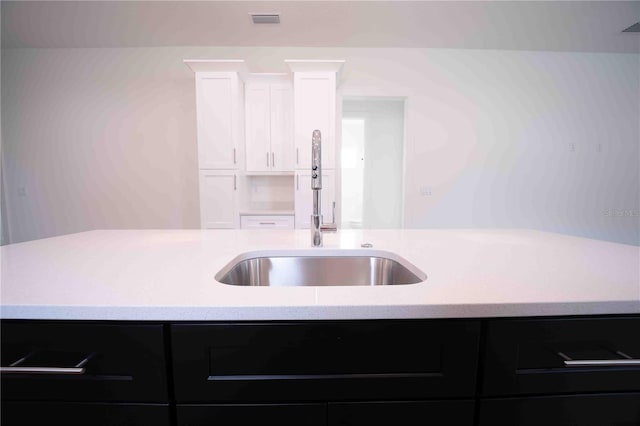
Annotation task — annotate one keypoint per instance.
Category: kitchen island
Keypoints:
(510, 327)
(170, 275)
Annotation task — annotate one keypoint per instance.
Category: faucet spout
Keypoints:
(317, 227)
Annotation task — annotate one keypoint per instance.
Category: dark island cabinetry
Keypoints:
(529, 371)
(73, 373)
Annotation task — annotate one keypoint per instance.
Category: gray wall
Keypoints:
(105, 138)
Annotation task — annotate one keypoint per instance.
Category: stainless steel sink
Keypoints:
(314, 268)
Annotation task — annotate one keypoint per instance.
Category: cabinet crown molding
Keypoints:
(218, 65)
(315, 65)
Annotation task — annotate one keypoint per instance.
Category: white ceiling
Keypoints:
(588, 26)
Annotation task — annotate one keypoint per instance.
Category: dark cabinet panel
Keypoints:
(82, 414)
(74, 361)
(566, 410)
(405, 413)
(252, 415)
(536, 356)
(325, 360)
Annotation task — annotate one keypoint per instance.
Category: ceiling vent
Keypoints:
(635, 28)
(265, 18)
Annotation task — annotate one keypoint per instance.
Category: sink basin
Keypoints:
(320, 268)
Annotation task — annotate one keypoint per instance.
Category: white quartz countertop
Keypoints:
(168, 275)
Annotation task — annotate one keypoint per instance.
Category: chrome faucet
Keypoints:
(317, 227)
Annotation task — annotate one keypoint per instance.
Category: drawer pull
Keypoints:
(15, 368)
(41, 370)
(267, 223)
(626, 361)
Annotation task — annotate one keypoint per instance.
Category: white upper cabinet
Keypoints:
(281, 101)
(219, 111)
(269, 125)
(219, 115)
(257, 129)
(315, 109)
(314, 87)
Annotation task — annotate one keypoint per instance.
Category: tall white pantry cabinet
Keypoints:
(259, 126)
(220, 134)
(314, 86)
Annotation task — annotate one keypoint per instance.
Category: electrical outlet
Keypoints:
(572, 147)
(425, 191)
(22, 191)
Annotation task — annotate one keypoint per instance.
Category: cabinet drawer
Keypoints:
(538, 356)
(83, 362)
(405, 413)
(568, 410)
(324, 360)
(83, 414)
(252, 414)
(266, 222)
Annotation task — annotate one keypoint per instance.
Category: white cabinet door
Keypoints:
(315, 108)
(269, 126)
(258, 127)
(218, 207)
(281, 120)
(218, 118)
(304, 200)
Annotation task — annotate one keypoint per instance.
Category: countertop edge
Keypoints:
(317, 313)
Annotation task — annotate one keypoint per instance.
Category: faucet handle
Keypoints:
(330, 227)
(333, 212)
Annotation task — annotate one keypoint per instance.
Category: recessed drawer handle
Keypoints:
(16, 369)
(626, 361)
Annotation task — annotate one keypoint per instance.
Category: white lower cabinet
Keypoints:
(304, 199)
(267, 222)
(218, 200)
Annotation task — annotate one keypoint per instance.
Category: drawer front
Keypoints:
(324, 360)
(405, 413)
(568, 410)
(252, 414)
(266, 222)
(540, 356)
(83, 362)
(83, 414)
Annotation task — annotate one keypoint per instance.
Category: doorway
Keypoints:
(372, 163)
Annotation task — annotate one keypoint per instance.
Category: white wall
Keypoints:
(105, 138)
(4, 226)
